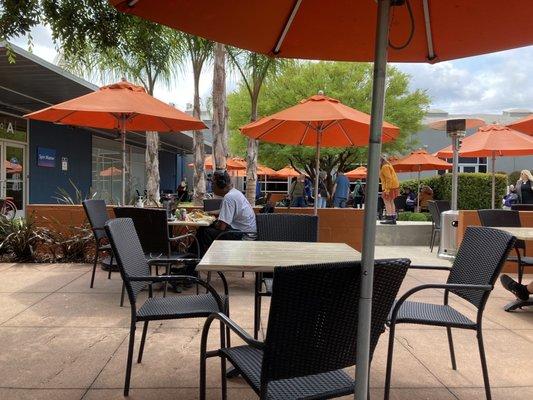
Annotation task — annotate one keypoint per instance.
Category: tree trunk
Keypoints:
(198, 143)
(251, 157)
(152, 168)
(219, 128)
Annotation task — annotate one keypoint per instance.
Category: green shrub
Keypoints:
(413, 216)
(474, 189)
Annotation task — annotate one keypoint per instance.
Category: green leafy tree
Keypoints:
(351, 83)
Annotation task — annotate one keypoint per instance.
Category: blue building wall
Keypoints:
(73, 143)
(168, 173)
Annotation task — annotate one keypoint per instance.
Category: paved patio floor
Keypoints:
(61, 340)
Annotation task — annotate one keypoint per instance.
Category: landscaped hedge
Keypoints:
(474, 189)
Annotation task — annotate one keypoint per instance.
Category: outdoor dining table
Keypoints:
(190, 224)
(263, 256)
(521, 234)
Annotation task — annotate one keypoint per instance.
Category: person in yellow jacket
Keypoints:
(390, 187)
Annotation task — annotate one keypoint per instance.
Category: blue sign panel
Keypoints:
(46, 157)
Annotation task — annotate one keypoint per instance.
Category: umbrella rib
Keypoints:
(345, 134)
(58, 121)
(307, 126)
(270, 129)
(429, 35)
(287, 26)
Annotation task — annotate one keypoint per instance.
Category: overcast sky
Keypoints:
(484, 84)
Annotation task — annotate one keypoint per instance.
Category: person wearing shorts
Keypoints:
(390, 190)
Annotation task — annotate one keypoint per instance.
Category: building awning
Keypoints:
(32, 83)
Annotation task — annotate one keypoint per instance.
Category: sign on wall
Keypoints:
(46, 157)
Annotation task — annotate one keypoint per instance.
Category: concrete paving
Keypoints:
(61, 340)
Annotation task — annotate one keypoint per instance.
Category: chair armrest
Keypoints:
(446, 286)
(176, 260)
(181, 237)
(431, 267)
(224, 320)
(170, 278)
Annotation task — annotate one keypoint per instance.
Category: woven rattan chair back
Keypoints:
(442, 205)
(151, 226)
(129, 253)
(522, 207)
(287, 227)
(479, 260)
(434, 212)
(507, 218)
(312, 325)
(97, 215)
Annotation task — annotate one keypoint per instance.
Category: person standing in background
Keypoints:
(323, 193)
(358, 194)
(390, 186)
(341, 190)
(297, 192)
(524, 187)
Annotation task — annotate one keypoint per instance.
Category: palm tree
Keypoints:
(220, 112)
(152, 54)
(199, 51)
(253, 69)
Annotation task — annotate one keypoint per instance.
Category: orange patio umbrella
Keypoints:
(12, 168)
(287, 172)
(493, 141)
(417, 161)
(262, 170)
(121, 106)
(358, 173)
(380, 30)
(111, 171)
(524, 125)
(232, 164)
(319, 121)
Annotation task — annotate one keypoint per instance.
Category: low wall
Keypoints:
(470, 218)
(335, 224)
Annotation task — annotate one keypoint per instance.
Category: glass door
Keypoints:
(12, 174)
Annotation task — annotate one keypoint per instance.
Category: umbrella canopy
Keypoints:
(346, 28)
(493, 141)
(232, 164)
(420, 160)
(524, 125)
(319, 121)
(339, 125)
(355, 31)
(287, 172)
(111, 171)
(121, 106)
(12, 168)
(262, 170)
(358, 173)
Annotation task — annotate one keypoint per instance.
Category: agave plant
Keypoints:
(21, 237)
(64, 196)
(71, 244)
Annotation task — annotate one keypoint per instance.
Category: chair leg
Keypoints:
(203, 360)
(122, 295)
(433, 234)
(94, 266)
(223, 378)
(388, 372)
(110, 266)
(167, 272)
(143, 338)
(450, 343)
(130, 359)
(484, 364)
(520, 272)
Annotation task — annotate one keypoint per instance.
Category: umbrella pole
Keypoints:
(371, 202)
(455, 173)
(493, 199)
(317, 167)
(123, 137)
(418, 192)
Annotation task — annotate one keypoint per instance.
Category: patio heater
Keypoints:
(456, 131)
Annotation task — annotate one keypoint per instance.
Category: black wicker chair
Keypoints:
(435, 226)
(312, 331)
(508, 218)
(135, 272)
(279, 228)
(152, 228)
(476, 267)
(96, 212)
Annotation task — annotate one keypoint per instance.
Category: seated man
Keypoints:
(235, 214)
(522, 292)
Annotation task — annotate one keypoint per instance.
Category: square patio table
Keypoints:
(520, 233)
(264, 256)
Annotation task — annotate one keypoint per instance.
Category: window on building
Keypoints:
(107, 170)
